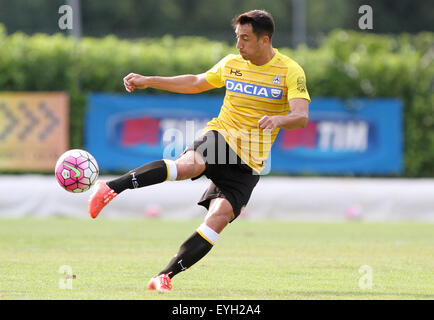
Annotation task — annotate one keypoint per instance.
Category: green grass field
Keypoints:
(113, 259)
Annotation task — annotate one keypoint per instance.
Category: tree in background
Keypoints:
(211, 19)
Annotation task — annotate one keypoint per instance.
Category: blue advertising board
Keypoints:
(360, 136)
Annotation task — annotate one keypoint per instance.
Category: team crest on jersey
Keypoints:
(253, 89)
(277, 80)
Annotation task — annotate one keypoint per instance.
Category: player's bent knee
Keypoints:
(186, 171)
(190, 165)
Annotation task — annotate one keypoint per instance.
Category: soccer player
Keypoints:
(265, 91)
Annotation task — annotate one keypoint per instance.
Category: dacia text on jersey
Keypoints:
(253, 90)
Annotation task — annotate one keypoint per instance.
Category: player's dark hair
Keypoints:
(262, 22)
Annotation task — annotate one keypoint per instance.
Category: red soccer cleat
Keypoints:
(101, 195)
(160, 283)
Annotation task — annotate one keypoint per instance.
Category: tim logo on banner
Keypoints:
(339, 140)
(329, 136)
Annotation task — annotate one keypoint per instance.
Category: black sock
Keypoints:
(146, 175)
(190, 252)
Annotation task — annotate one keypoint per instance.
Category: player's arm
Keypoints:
(297, 118)
(187, 83)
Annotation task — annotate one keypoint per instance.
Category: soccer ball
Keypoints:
(76, 170)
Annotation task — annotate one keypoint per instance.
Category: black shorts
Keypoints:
(231, 178)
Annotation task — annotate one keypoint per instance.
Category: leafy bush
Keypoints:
(347, 64)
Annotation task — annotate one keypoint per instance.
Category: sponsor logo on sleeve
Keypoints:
(301, 84)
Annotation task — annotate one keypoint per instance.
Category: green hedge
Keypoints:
(347, 64)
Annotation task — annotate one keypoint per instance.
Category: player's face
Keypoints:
(248, 44)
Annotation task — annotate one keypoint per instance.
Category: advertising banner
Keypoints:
(33, 130)
(361, 136)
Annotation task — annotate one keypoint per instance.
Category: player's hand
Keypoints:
(134, 81)
(268, 123)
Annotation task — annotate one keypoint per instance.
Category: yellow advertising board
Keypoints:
(33, 130)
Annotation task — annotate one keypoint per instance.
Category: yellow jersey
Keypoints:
(252, 92)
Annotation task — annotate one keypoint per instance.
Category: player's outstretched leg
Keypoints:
(148, 174)
(196, 246)
(189, 165)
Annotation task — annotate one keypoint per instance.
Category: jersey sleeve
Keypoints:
(296, 82)
(214, 76)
